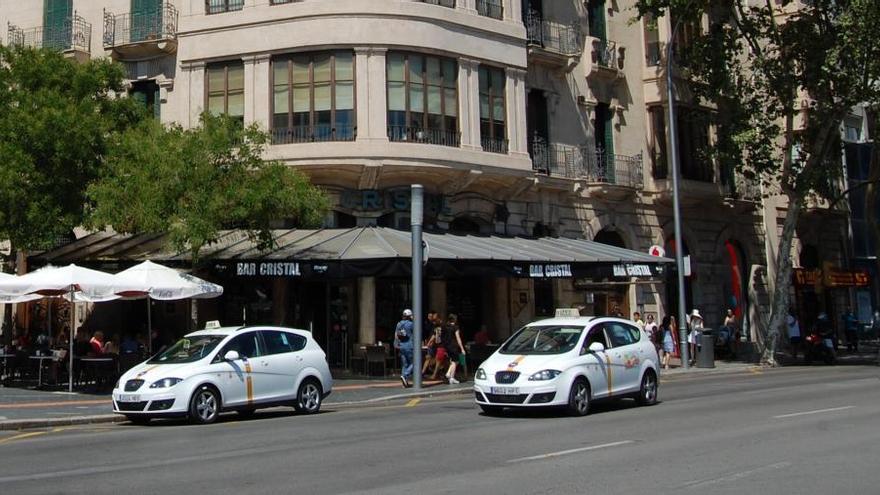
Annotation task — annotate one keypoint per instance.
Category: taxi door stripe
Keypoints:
(610, 373)
(515, 362)
(250, 383)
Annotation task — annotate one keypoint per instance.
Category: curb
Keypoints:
(26, 424)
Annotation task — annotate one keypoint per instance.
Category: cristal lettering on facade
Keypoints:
(550, 271)
(632, 271)
(268, 269)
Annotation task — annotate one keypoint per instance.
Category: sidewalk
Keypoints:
(26, 408)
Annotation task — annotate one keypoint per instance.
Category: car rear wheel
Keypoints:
(138, 419)
(308, 397)
(579, 398)
(491, 410)
(204, 407)
(650, 389)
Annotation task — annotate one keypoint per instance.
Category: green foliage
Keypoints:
(56, 117)
(192, 183)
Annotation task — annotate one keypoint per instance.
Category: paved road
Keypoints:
(794, 430)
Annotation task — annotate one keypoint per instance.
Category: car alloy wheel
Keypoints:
(649, 389)
(205, 406)
(579, 398)
(308, 398)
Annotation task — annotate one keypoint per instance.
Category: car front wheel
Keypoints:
(579, 398)
(308, 397)
(204, 407)
(650, 389)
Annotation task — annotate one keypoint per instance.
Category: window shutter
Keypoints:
(56, 23)
(597, 19)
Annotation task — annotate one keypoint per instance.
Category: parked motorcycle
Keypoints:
(819, 345)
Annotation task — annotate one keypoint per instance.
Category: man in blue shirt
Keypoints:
(851, 330)
(403, 341)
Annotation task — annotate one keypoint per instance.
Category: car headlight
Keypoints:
(544, 375)
(481, 374)
(166, 382)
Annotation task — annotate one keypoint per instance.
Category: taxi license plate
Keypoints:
(504, 390)
(129, 398)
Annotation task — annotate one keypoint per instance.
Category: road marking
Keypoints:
(413, 403)
(736, 476)
(817, 411)
(26, 405)
(22, 436)
(572, 451)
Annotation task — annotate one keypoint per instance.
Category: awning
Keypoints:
(372, 251)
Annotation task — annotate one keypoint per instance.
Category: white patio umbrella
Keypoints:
(164, 284)
(74, 282)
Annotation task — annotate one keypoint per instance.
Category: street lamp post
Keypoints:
(416, 212)
(676, 203)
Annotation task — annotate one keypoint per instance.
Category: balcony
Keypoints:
(73, 37)
(490, 8)
(311, 134)
(494, 145)
(141, 35)
(442, 3)
(606, 59)
(551, 43)
(423, 135)
(607, 175)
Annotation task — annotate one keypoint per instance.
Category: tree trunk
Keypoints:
(781, 292)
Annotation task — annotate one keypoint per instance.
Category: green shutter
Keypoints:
(609, 132)
(146, 19)
(56, 24)
(597, 19)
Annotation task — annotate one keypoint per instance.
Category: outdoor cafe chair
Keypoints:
(375, 354)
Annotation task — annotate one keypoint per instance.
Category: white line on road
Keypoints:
(572, 451)
(736, 476)
(817, 411)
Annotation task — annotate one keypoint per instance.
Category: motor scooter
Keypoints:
(819, 345)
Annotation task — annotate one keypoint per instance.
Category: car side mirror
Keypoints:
(597, 347)
(231, 356)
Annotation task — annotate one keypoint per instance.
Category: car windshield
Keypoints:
(188, 349)
(546, 339)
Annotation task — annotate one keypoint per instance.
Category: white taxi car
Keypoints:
(569, 362)
(235, 368)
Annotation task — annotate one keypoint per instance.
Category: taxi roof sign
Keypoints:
(567, 312)
(212, 324)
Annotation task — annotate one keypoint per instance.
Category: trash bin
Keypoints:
(706, 353)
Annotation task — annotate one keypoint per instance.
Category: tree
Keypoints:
(783, 76)
(56, 118)
(193, 183)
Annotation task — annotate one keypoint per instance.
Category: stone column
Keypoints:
(249, 62)
(371, 96)
(513, 10)
(469, 6)
(195, 101)
(515, 94)
(469, 103)
(367, 310)
(262, 91)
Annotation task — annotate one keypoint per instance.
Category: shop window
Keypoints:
(544, 300)
(313, 97)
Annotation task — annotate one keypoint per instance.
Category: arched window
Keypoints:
(610, 237)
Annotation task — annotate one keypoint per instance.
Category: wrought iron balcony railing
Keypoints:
(494, 145)
(586, 163)
(442, 3)
(74, 33)
(743, 188)
(490, 8)
(408, 134)
(605, 53)
(562, 39)
(313, 133)
(136, 27)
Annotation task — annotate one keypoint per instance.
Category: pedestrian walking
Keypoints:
(637, 319)
(732, 338)
(652, 329)
(403, 342)
(667, 336)
(695, 326)
(794, 333)
(453, 345)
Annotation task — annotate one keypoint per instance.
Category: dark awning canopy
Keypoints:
(371, 251)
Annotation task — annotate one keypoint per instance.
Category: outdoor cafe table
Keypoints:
(40, 367)
(3, 372)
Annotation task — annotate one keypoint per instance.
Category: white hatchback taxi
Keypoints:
(569, 362)
(237, 368)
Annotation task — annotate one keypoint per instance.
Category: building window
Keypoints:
(652, 40)
(226, 89)
(313, 97)
(422, 99)
(693, 144)
(220, 6)
(442, 3)
(493, 132)
(490, 8)
(657, 142)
